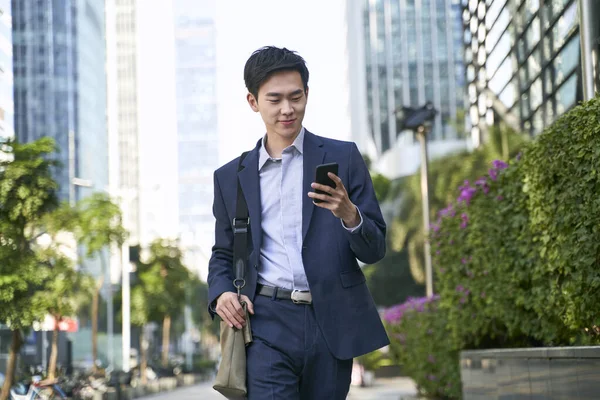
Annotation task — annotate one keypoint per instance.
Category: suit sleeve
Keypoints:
(220, 270)
(368, 241)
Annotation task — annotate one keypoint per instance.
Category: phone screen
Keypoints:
(322, 177)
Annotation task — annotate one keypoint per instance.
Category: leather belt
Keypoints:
(297, 296)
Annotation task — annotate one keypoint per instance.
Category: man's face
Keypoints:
(281, 103)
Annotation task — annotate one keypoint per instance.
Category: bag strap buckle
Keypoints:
(240, 225)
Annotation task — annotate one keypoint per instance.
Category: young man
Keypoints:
(311, 310)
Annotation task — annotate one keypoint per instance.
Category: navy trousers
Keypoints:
(289, 359)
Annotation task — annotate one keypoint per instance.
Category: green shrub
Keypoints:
(482, 252)
(563, 183)
(420, 343)
(516, 256)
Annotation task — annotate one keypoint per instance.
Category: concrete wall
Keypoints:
(570, 373)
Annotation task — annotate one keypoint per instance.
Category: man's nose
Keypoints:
(286, 108)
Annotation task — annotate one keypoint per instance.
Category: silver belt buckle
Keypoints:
(301, 297)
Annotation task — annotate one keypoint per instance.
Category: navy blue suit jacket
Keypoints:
(342, 302)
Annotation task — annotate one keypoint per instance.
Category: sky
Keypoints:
(316, 29)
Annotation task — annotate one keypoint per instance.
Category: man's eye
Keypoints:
(296, 98)
(273, 101)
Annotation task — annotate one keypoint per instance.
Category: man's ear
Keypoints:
(252, 101)
(306, 92)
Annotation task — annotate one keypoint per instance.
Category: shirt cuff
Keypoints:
(351, 230)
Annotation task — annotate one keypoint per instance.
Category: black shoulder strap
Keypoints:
(241, 223)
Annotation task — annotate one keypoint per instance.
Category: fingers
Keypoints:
(336, 179)
(229, 318)
(248, 304)
(230, 310)
(323, 188)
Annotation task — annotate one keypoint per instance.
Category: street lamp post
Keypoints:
(419, 121)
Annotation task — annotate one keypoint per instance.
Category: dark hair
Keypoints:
(269, 59)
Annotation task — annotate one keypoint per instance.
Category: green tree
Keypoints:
(140, 316)
(198, 297)
(65, 289)
(97, 224)
(27, 193)
(166, 279)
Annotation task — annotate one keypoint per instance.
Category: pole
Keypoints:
(110, 324)
(421, 134)
(72, 168)
(44, 349)
(588, 41)
(126, 293)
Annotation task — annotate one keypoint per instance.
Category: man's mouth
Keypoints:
(288, 122)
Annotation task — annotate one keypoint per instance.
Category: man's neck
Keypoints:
(275, 144)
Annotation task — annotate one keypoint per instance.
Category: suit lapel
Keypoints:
(313, 155)
(250, 182)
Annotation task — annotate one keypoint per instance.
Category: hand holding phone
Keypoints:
(324, 179)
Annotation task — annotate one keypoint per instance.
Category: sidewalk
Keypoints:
(399, 388)
(383, 389)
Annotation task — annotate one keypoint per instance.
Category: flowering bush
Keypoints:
(516, 256)
(482, 253)
(422, 346)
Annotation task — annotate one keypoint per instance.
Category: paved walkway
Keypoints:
(383, 389)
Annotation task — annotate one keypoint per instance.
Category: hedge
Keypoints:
(516, 256)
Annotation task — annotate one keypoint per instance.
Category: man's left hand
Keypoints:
(337, 201)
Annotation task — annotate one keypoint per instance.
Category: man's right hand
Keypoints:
(230, 310)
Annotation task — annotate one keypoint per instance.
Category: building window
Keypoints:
(566, 95)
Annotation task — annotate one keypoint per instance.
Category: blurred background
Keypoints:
(145, 99)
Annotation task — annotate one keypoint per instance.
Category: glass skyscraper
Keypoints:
(6, 72)
(414, 55)
(523, 62)
(60, 86)
(196, 124)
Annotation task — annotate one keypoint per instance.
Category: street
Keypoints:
(384, 389)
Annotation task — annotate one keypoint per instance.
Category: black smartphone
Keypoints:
(322, 177)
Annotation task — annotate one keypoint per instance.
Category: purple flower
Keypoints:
(463, 300)
(431, 359)
(442, 270)
(500, 198)
(465, 220)
(434, 227)
(493, 174)
(482, 182)
(519, 156)
(448, 211)
(464, 261)
(431, 377)
(499, 164)
(460, 288)
(466, 193)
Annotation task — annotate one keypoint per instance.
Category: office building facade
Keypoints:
(6, 72)
(60, 87)
(198, 141)
(523, 61)
(412, 57)
(413, 53)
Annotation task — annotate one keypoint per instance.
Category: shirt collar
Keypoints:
(264, 155)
